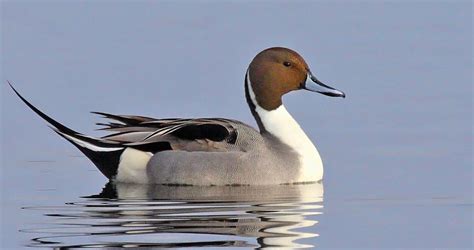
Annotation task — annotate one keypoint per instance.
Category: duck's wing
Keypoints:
(202, 134)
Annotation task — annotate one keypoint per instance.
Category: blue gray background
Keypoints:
(403, 134)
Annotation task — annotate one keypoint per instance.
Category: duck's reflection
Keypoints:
(127, 215)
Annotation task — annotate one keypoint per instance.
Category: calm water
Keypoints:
(397, 151)
(161, 216)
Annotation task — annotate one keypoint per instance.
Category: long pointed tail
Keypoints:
(104, 154)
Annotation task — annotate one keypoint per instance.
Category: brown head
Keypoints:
(277, 71)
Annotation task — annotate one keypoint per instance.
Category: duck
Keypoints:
(213, 151)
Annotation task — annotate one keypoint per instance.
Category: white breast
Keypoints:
(281, 124)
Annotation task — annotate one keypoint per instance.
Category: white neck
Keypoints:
(282, 125)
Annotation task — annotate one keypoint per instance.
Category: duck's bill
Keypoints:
(313, 84)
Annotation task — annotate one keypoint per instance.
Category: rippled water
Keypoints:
(125, 215)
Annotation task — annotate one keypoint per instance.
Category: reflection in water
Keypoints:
(129, 215)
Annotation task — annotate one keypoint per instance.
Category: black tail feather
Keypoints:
(50, 120)
(107, 154)
(106, 161)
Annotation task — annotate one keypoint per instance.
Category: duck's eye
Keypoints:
(287, 64)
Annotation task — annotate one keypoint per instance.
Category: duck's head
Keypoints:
(277, 71)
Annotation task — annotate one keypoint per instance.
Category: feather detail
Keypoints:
(140, 130)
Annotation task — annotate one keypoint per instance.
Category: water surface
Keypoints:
(126, 215)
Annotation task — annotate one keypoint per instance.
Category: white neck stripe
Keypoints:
(281, 124)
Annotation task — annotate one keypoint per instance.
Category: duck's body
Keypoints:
(252, 159)
(213, 151)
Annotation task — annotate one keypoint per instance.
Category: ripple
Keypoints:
(126, 215)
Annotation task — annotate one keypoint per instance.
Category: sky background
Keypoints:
(404, 130)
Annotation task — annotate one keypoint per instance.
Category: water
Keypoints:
(397, 151)
(162, 216)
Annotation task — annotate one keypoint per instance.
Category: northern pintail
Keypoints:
(214, 151)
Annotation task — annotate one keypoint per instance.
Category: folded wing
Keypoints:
(144, 133)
